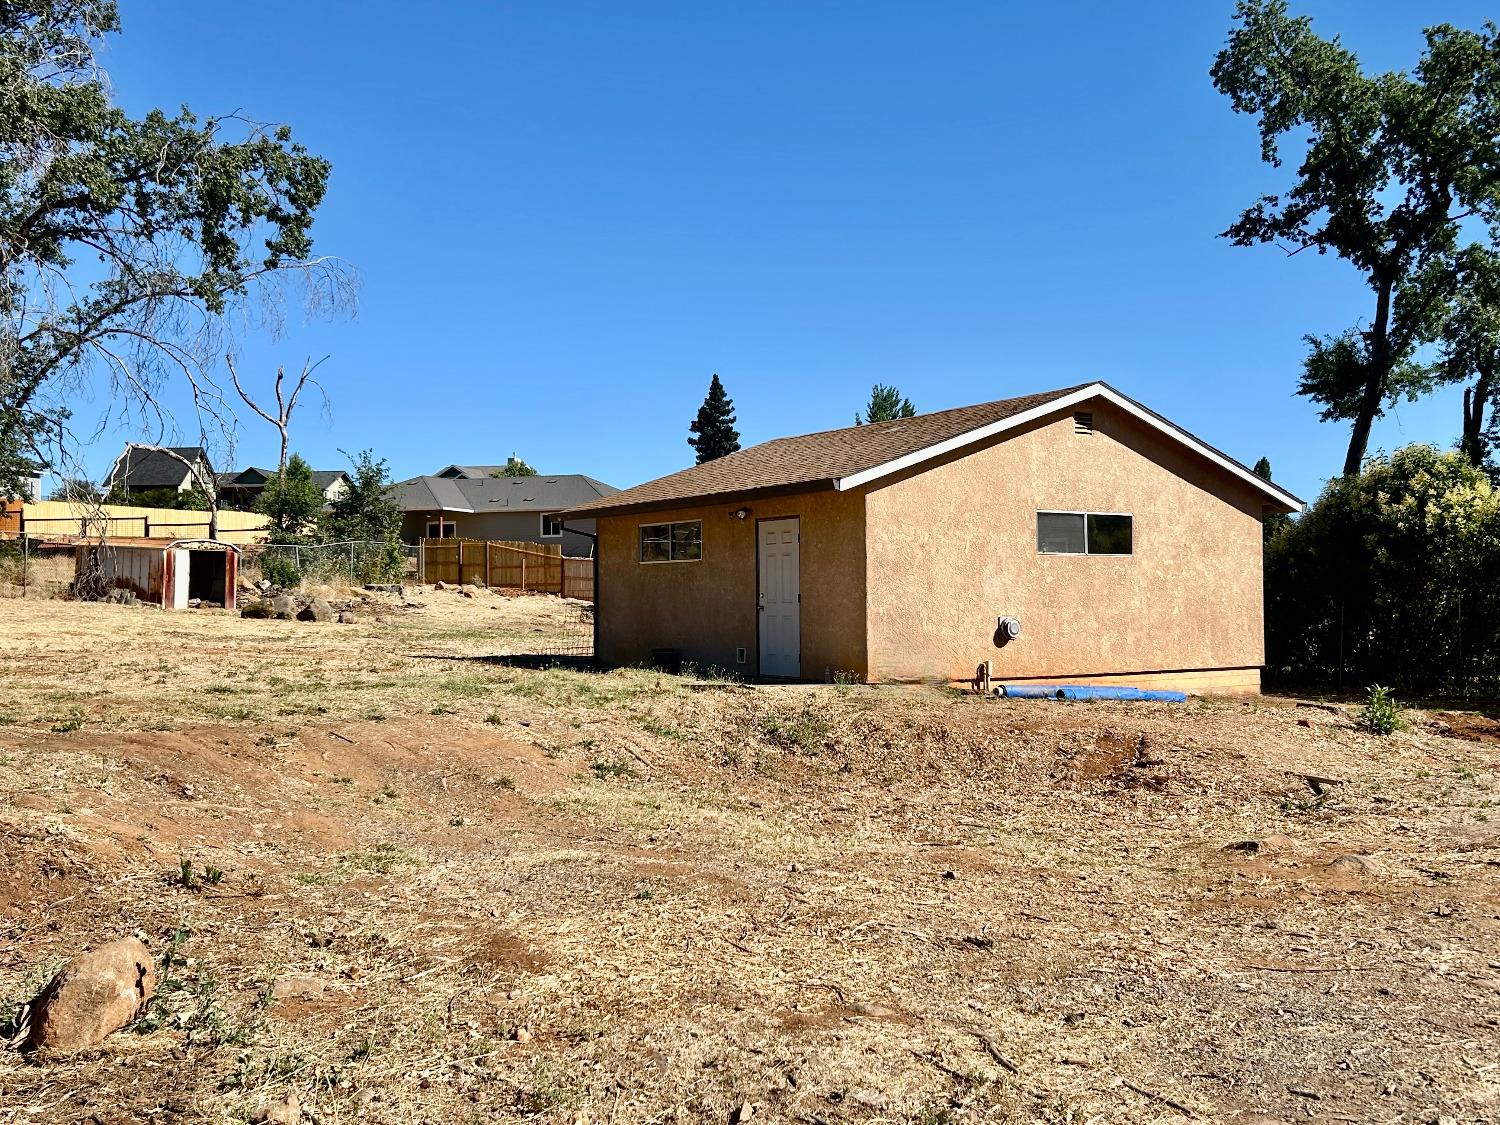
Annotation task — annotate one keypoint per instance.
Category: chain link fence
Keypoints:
(352, 561)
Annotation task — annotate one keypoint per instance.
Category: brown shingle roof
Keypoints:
(815, 460)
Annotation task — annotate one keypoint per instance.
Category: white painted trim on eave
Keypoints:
(1063, 402)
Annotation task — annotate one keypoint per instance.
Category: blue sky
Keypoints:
(566, 216)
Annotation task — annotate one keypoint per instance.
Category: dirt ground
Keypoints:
(427, 886)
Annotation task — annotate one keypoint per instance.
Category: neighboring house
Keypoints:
(242, 489)
(1128, 550)
(31, 488)
(469, 472)
(150, 470)
(520, 509)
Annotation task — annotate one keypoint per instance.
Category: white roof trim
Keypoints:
(1062, 402)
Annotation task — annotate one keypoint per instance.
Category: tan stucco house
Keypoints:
(1115, 546)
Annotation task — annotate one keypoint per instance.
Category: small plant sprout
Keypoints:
(1381, 714)
(604, 770)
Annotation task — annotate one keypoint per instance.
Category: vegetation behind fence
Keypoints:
(352, 561)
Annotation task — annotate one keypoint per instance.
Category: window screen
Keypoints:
(1060, 533)
(672, 542)
(1084, 533)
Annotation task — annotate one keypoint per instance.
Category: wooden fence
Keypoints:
(578, 579)
(65, 521)
(535, 567)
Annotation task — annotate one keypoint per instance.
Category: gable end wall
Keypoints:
(952, 547)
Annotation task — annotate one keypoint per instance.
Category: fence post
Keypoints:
(487, 564)
(351, 562)
(523, 574)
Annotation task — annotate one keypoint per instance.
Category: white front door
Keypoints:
(780, 598)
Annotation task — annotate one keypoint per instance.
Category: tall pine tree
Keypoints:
(713, 430)
(886, 404)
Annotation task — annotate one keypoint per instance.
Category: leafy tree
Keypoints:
(515, 467)
(714, 435)
(1391, 576)
(78, 490)
(122, 240)
(1471, 350)
(188, 500)
(1394, 165)
(368, 513)
(291, 503)
(21, 449)
(885, 405)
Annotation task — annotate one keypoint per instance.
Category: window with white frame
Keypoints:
(1085, 533)
(672, 542)
(551, 525)
(441, 529)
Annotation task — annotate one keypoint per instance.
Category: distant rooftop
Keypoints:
(499, 494)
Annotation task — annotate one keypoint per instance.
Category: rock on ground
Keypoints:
(94, 994)
(317, 610)
(288, 1112)
(284, 607)
(1362, 865)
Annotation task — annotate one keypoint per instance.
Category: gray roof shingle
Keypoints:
(499, 494)
(151, 468)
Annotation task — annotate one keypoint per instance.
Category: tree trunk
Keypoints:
(1377, 379)
(1475, 397)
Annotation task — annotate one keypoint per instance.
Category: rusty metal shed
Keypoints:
(164, 572)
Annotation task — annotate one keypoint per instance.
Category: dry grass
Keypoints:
(47, 572)
(460, 891)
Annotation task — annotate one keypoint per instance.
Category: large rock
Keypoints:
(284, 607)
(317, 610)
(285, 1112)
(1362, 866)
(94, 994)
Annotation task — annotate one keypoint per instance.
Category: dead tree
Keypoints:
(285, 403)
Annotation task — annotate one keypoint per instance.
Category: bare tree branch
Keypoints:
(285, 403)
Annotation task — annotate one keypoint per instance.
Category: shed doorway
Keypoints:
(780, 601)
(207, 572)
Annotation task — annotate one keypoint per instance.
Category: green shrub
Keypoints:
(279, 569)
(1394, 573)
(1381, 714)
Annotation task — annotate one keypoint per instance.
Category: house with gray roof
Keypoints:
(145, 469)
(242, 489)
(518, 509)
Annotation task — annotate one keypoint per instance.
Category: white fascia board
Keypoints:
(1063, 402)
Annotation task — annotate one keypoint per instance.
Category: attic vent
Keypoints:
(1083, 422)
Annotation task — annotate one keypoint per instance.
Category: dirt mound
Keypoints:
(386, 874)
